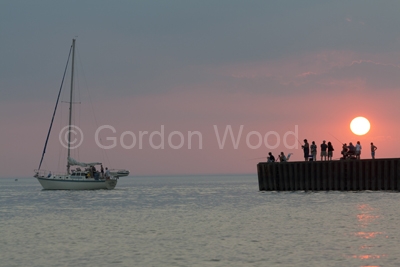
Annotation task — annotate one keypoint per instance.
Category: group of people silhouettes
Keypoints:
(92, 172)
(348, 151)
(310, 151)
(281, 157)
(326, 151)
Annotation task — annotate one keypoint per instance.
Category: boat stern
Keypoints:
(110, 184)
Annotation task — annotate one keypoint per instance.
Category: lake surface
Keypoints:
(195, 221)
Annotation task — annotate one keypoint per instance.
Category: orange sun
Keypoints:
(360, 126)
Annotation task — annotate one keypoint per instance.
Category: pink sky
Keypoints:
(268, 67)
(320, 113)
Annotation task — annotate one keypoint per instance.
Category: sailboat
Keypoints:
(79, 175)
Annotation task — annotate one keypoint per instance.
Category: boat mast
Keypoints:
(70, 103)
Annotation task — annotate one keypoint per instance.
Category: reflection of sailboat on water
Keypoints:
(83, 179)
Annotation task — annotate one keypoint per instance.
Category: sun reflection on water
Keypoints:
(368, 256)
(367, 235)
(367, 218)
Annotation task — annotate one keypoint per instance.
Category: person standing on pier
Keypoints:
(323, 150)
(313, 148)
(373, 148)
(358, 150)
(306, 149)
(330, 151)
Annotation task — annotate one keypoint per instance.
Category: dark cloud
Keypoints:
(150, 47)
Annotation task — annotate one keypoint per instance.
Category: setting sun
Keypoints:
(360, 126)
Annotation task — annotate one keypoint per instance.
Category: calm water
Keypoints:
(195, 221)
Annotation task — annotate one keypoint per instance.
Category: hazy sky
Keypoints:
(183, 66)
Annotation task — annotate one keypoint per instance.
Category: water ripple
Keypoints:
(195, 221)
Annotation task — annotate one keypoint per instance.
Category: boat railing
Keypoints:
(41, 173)
(45, 173)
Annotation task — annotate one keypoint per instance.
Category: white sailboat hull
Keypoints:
(69, 184)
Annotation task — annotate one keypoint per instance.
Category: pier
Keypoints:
(338, 175)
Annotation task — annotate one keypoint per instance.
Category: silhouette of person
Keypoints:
(323, 150)
(330, 151)
(306, 149)
(373, 148)
(271, 157)
(313, 148)
(344, 150)
(282, 157)
(358, 150)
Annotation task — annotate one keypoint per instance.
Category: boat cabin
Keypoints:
(87, 173)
